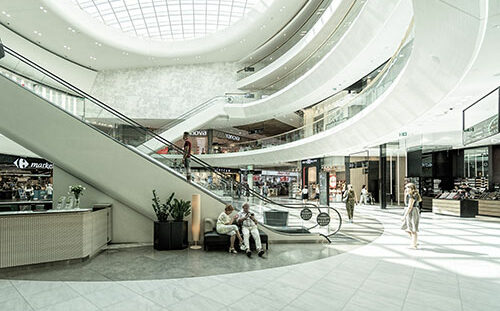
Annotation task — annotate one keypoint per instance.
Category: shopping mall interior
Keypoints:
(249, 155)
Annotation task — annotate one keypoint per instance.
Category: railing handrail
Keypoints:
(121, 116)
(310, 55)
(369, 85)
(286, 41)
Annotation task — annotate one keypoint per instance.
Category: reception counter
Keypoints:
(460, 208)
(33, 237)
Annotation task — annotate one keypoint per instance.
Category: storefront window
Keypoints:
(476, 162)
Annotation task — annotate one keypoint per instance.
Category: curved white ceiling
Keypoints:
(167, 19)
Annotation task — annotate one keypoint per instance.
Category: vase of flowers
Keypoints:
(77, 192)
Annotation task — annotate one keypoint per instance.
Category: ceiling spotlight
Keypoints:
(71, 29)
(43, 9)
(98, 44)
(92, 58)
(37, 33)
(125, 53)
(67, 47)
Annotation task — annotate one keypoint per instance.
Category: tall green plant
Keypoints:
(162, 210)
(180, 209)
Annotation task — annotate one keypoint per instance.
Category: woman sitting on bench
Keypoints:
(225, 226)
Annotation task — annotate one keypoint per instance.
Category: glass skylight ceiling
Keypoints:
(167, 19)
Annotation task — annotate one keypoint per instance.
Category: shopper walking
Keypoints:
(187, 155)
(316, 196)
(304, 194)
(411, 215)
(364, 195)
(350, 200)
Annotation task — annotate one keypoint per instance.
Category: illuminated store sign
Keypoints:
(199, 133)
(22, 163)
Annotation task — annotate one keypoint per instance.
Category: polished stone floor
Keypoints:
(144, 263)
(457, 267)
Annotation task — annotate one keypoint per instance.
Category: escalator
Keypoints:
(85, 143)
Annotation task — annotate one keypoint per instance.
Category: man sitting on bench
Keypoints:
(249, 226)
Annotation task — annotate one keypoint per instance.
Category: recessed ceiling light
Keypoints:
(92, 58)
(43, 9)
(36, 32)
(5, 13)
(98, 44)
(67, 47)
(71, 29)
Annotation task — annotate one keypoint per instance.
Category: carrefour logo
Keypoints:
(21, 163)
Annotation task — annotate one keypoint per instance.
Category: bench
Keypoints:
(211, 239)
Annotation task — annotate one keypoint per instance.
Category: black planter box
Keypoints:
(170, 235)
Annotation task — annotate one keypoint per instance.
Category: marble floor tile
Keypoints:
(50, 297)
(110, 295)
(168, 295)
(134, 304)
(76, 304)
(196, 303)
(17, 303)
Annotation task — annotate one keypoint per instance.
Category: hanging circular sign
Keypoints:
(306, 214)
(323, 219)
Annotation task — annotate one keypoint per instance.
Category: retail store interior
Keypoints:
(249, 155)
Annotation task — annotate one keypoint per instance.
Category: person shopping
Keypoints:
(350, 200)
(411, 215)
(225, 226)
(364, 195)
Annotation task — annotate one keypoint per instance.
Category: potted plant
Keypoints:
(170, 234)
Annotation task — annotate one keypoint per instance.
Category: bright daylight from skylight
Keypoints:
(167, 19)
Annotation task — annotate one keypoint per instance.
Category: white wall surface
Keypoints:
(8, 146)
(128, 225)
(71, 72)
(163, 92)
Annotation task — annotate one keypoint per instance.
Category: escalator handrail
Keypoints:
(142, 128)
(181, 118)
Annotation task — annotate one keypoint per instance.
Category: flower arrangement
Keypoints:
(77, 191)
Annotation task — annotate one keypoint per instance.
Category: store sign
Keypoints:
(22, 163)
(306, 214)
(278, 173)
(323, 219)
(199, 133)
(309, 161)
(227, 170)
(232, 137)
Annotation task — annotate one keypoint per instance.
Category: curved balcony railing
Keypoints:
(319, 53)
(168, 160)
(352, 107)
(282, 48)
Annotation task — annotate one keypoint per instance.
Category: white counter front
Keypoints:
(28, 237)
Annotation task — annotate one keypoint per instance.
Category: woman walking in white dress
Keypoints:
(411, 216)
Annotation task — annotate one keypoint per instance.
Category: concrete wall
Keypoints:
(69, 71)
(164, 92)
(128, 225)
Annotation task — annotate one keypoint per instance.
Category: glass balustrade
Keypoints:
(318, 54)
(293, 38)
(346, 111)
(132, 135)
